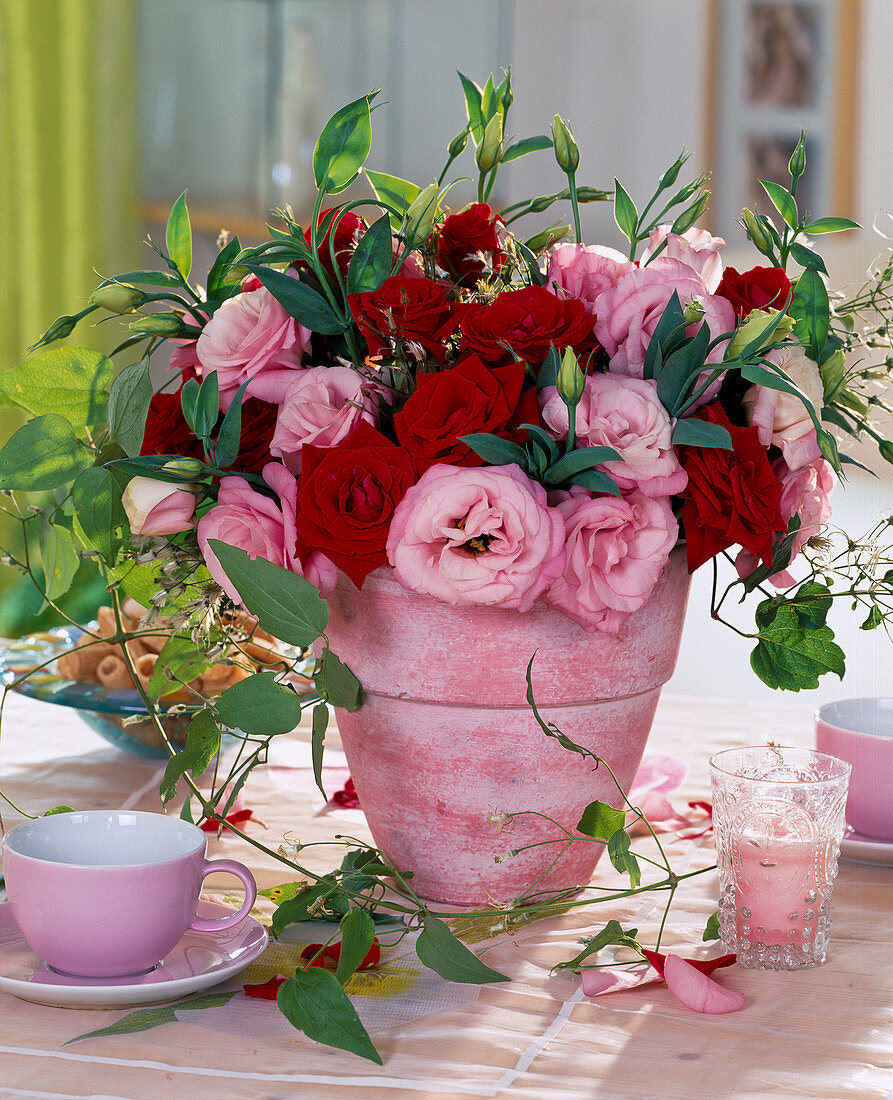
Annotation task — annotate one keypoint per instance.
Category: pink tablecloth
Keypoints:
(827, 1032)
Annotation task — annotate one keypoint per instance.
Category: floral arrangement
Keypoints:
(500, 417)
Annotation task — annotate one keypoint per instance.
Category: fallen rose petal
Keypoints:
(347, 796)
(659, 812)
(696, 991)
(658, 773)
(705, 966)
(320, 955)
(267, 991)
(595, 983)
(211, 824)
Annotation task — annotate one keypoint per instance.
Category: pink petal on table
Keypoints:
(597, 982)
(698, 992)
(660, 813)
(658, 773)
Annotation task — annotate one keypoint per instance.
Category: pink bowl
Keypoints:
(860, 731)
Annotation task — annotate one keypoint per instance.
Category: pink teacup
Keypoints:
(860, 731)
(107, 893)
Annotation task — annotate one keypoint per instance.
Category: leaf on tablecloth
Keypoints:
(144, 1019)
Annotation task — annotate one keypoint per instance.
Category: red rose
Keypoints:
(759, 288)
(347, 496)
(732, 497)
(469, 398)
(413, 310)
(347, 232)
(466, 240)
(529, 321)
(167, 432)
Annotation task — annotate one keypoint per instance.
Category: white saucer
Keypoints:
(200, 960)
(865, 849)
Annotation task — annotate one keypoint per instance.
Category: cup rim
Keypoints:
(845, 768)
(820, 711)
(10, 849)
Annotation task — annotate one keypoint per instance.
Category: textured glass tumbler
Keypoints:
(778, 816)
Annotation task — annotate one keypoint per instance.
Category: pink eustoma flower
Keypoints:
(626, 414)
(584, 271)
(477, 536)
(695, 247)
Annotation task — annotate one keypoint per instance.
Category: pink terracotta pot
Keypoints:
(445, 738)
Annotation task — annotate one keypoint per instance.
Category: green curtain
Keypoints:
(68, 173)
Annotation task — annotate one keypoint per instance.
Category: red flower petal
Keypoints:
(332, 953)
(691, 987)
(706, 966)
(347, 796)
(267, 991)
(211, 825)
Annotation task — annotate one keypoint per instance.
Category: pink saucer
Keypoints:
(859, 848)
(200, 960)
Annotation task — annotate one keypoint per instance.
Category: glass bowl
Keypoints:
(117, 714)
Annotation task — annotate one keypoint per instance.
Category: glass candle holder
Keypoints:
(778, 816)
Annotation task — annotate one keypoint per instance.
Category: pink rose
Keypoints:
(783, 419)
(626, 414)
(695, 247)
(322, 406)
(262, 528)
(805, 492)
(250, 336)
(158, 507)
(584, 271)
(475, 536)
(627, 314)
(616, 550)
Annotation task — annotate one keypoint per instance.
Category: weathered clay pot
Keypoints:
(445, 738)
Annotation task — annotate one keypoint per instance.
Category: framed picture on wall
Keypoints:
(776, 66)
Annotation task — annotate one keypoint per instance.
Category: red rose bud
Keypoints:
(348, 230)
(759, 288)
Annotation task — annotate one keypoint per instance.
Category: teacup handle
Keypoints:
(229, 866)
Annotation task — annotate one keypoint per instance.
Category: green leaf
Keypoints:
(259, 705)
(439, 950)
(625, 213)
(812, 604)
(343, 146)
(597, 481)
(43, 454)
(473, 107)
(790, 655)
(830, 225)
(711, 929)
(810, 311)
(97, 500)
(229, 437)
(314, 1002)
(679, 372)
(357, 934)
(549, 729)
(586, 458)
(393, 192)
(296, 910)
(70, 382)
(669, 334)
(805, 257)
(146, 1018)
(526, 145)
(496, 451)
(221, 282)
(341, 687)
(287, 606)
(689, 432)
(300, 301)
(371, 262)
(622, 858)
(317, 743)
(129, 397)
(601, 821)
(60, 560)
(874, 619)
(178, 236)
(201, 745)
(612, 935)
(782, 200)
(178, 662)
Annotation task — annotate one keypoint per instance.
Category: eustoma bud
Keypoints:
(117, 297)
(756, 232)
(157, 507)
(421, 214)
(566, 152)
(489, 152)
